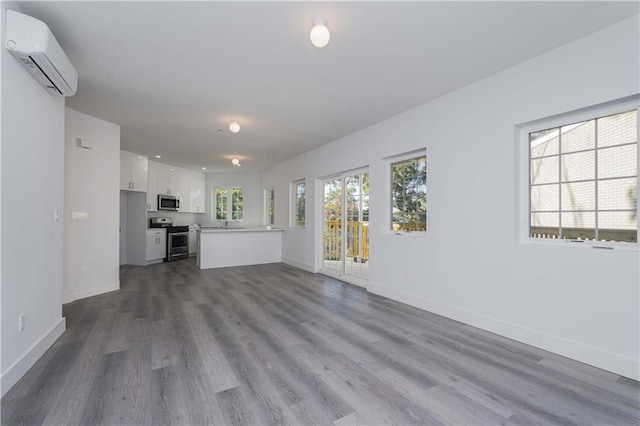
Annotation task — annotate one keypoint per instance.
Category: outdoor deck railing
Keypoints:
(357, 239)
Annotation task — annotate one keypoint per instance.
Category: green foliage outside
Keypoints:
(409, 194)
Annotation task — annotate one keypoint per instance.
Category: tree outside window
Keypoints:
(409, 195)
(229, 204)
(299, 206)
(270, 204)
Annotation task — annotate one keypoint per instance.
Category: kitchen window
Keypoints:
(583, 178)
(269, 206)
(298, 191)
(408, 176)
(228, 204)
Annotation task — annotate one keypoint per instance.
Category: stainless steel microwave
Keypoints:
(168, 202)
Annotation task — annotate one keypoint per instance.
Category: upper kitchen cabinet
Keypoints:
(191, 191)
(152, 193)
(133, 172)
(186, 185)
(197, 189)
(168, 179)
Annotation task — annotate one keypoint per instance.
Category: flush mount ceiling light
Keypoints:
(234, 126)
(319, 34)
(235, 161)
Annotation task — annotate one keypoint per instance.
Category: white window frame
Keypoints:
(268, 200)
(293, 201)
(523, 214)
(214, 201)
(388, 164)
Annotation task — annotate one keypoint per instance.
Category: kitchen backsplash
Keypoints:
(179, 218)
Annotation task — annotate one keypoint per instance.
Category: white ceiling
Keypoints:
(173, 73)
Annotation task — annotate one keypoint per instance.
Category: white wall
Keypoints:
(471, 266)
(32, 189)
(92, 185)
(252, 197)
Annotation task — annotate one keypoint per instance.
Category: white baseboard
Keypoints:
(299, 265)
(81, 293)
(596, 357)
(18, 369)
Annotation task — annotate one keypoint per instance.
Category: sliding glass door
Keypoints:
(346, 225)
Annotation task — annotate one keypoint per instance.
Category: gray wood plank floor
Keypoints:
(272, 344)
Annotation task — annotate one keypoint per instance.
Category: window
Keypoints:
(583, 179)
(222, 203)
(298, 190)
(236, 203)
(409, 194)
(228, 204)
(269, 206)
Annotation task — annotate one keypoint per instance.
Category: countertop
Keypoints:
(213, 229)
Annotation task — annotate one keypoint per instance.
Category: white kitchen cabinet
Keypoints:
(156, 244)
(133, 172)
(186, 185)
(168, 180)
(183, 192)
(191, 192)
(197, 192)
(152, 192)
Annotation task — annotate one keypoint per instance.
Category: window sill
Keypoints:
(604, 246)
(407, 234)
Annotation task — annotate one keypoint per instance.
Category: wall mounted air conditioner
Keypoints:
(32, 43)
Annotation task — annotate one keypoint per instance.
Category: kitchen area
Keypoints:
(160, 208)
(163, 217)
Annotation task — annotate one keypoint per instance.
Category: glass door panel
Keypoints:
(332, 227)
(357, 225)
(346, 225)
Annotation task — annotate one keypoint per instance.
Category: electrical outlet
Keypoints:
(83, 270)
(21, 322)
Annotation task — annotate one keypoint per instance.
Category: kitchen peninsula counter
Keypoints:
(224, 247)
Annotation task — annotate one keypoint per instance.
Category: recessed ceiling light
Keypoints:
(204, 168)
(173, 170)
(234, 126)
(319, 34)
(139, 158)
(235, 161)
(157, 156)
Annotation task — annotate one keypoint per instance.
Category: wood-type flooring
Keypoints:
(271, 344)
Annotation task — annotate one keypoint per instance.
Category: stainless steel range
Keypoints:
(177, 238)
